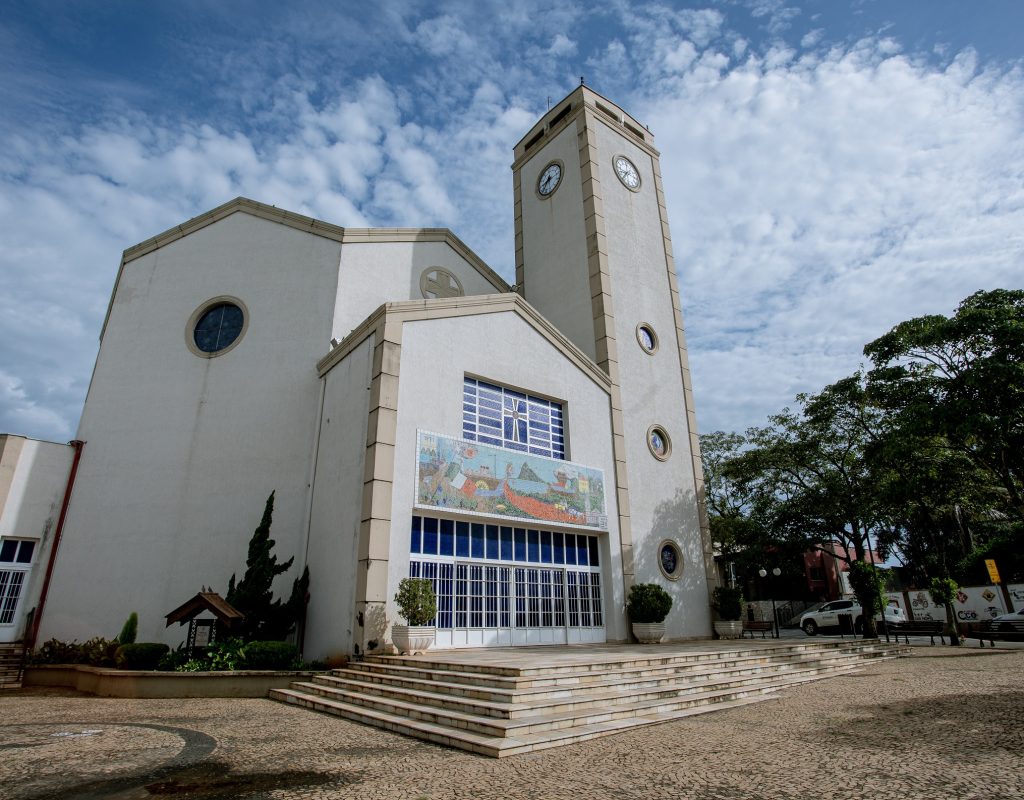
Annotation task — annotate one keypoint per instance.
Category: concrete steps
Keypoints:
(11, 661)
(500, 710)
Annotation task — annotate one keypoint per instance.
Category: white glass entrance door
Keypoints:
(491, 603)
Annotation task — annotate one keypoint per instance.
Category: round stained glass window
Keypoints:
(216, 326)
(659, 443)
(670, 559)
(647, 338)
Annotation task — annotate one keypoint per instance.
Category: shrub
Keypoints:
(96, 652)
(648, 603)
(269, 655)
(416, 600)
(129, 630)
(728, 602)
(176, 658)
(144, 655)
(55, 651)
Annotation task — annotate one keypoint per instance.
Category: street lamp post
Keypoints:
(776, 572)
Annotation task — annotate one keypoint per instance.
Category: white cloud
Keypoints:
(817, 202)
(817, 194)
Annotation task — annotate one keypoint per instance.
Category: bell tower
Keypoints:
(594, 256)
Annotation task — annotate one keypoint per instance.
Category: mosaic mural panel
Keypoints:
(476, 478)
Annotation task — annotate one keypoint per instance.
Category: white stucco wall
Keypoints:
(503, 348)
(662, 497)
(557, 278)
(337, 505)
(182, 451)
(33, 479)
(379, 272)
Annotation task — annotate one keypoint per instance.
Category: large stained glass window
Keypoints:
(503, 417)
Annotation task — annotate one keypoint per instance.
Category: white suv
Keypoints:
(826, 618)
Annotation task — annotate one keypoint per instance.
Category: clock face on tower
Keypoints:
(627, 173)
(549, 179)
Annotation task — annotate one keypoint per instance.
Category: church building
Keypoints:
(532, 449)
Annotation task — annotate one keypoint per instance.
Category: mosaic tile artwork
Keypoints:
(476, 478)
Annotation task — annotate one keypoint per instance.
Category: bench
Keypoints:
(918, 627)
(751, 626)
(1003, 630)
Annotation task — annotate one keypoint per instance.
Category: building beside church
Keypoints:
(532, 449)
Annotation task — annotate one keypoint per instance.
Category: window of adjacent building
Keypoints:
(15, 557)
(497, 415)
(817, 574)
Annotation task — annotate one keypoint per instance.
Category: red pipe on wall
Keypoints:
(30, 637)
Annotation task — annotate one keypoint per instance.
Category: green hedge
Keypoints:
(143, 655)
(269, 655)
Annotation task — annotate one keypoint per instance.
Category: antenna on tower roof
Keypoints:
(581, 80)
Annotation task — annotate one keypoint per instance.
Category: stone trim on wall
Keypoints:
(306, 225)
(385, 327)
(10, 452)
(710, 570)
(604, 325)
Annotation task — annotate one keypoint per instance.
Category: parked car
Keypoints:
(1013, 616)
(826, 618)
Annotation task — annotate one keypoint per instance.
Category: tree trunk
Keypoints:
(954, 637)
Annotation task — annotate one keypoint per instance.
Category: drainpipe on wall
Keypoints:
(30, 635)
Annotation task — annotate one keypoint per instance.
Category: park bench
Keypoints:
(1003, 630)
(751, 626)
(918, 627)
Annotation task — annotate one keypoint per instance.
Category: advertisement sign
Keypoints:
(993, 571)
(491, 481)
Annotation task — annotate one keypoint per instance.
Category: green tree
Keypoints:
(867, 584)
(960, 380)
(253, 595)
(805, 474)
(943, 590)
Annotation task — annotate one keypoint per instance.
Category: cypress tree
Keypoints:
(253, 595)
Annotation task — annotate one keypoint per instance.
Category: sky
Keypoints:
(831, 167)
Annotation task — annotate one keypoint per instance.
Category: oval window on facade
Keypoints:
(647, 338)
(670, 560)
(216, 326)
(659, 443)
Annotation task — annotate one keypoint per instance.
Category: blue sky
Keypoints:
(831, 168)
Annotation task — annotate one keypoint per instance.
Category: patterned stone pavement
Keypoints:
(943, 723)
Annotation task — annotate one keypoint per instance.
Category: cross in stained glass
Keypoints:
(515, 420)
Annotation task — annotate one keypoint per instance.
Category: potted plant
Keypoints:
(647, 606)
(417, 603)
(728, 602)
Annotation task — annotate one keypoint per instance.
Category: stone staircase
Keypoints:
(11, 661)
(494, 706)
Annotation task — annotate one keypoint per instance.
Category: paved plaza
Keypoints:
(942, 723)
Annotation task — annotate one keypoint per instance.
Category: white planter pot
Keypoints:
(413, 639)
(649, 632)
(729, 629)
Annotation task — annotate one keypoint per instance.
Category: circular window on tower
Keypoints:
(216, 327)
(659, 443)
(647, 338)
(670, 559)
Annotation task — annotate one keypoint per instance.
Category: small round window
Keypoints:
(670, 559)
(216, 326)
(659, 443)
(647, 338)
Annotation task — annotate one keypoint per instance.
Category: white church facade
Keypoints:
(532, 449)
